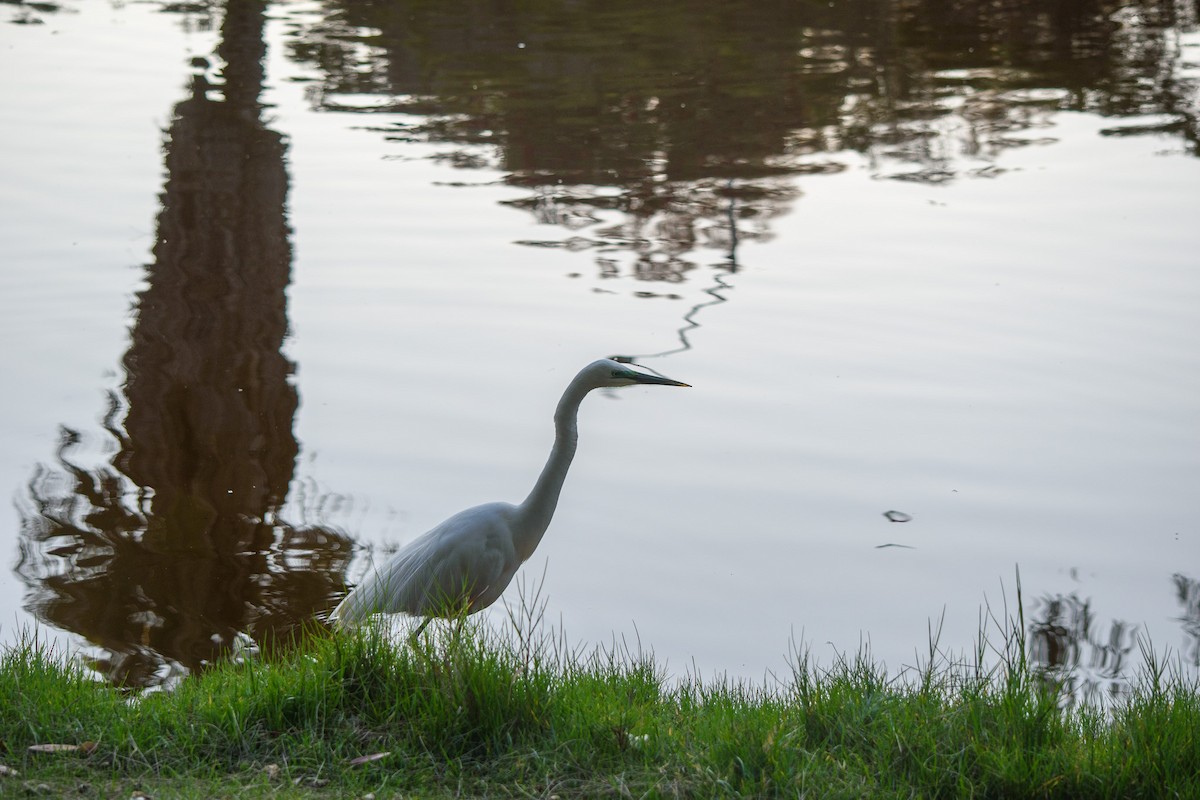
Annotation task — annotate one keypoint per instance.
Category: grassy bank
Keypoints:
(350, 716)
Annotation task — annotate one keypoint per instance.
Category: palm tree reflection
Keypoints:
(168, 553)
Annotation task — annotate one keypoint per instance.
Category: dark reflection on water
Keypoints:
(679, 107)
(1187, 593)
(168, 554)
(1093, 663)
(1066, 646)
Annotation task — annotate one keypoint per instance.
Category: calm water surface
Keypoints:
(283, 286)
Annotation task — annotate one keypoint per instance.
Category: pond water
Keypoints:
(282, 286)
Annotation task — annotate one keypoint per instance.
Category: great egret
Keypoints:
(465, 563)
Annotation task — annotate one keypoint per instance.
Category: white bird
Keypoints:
(464, 564)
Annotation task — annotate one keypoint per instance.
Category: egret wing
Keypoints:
(466, 561)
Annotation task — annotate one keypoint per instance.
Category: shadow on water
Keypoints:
(171, 553)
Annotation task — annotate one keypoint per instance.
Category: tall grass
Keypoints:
(517, 712)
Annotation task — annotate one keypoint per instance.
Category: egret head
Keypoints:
(608, 372)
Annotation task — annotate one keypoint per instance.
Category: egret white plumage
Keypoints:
(465, 563)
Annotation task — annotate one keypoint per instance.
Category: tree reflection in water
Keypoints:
(1187, 592)
(1066, 648)
(171, 553)
(651, 112)
(1070, 648)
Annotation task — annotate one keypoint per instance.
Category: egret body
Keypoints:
(465, 563)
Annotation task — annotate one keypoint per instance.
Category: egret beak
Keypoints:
(658, 380)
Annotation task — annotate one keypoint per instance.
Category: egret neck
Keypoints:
(538, 507)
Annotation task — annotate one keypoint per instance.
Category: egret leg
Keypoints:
(454, 647)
